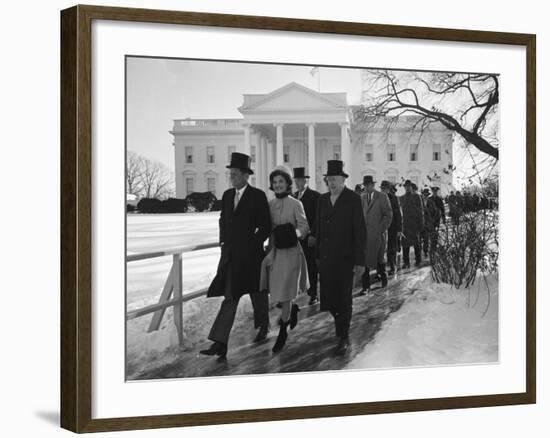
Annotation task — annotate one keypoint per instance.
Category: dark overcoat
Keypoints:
(413, 217)
(310, 201)
(397, 218)
(242, 235)
(341, 238)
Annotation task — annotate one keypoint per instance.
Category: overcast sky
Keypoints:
(160, 90)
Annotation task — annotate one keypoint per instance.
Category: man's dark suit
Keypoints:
(242, 234)
(310, 201)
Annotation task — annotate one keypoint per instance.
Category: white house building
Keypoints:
(299, 127)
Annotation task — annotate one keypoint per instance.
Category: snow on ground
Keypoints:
(438, 325)
(145, 278)
(158, 232)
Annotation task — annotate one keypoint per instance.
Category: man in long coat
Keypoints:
(396, 226)
(413, 223)
(245, 224)
(310, 201)
(430, 217)
(378, 215)
(340, 249)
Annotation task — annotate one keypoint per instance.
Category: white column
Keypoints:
(265, 168)
(246, 146)
(346, 149)
(258, 164)
(270, 161)
(311, 154)
(279, 158)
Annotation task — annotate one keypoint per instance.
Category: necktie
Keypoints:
(369, 196)
(236, 200)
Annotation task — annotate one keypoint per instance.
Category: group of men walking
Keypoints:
(316, 240)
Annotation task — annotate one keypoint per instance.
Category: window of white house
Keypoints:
(336, 152)
(391, 152)
(188, 154)
(414, 179)
(230, 150)
(210, 155)
(211, 184)
(253, 154)
(436, 152)
(392, 179)
(189, 185)
(286, 154)
(414, 152)
(369, 152)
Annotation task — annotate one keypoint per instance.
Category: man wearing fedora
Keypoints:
(340, 249)
(378, 217)
(310, 201)
(396, 226)
(245, 223)
(413, 223)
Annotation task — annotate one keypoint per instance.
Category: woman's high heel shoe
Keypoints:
(294, 316)
(281, 338)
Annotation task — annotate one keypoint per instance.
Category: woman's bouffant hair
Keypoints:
(284, 174)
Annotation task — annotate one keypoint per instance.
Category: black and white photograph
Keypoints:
(286, 218)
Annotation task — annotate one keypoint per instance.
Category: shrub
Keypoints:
(150, 205)
(201, 201)
(217, 205)
(174, 205)
(466, 248)
(130, 208)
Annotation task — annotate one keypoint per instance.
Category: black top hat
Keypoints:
(426, 191)
(335, 168)
(385, 184)
(368, 179)
(240, 161)
(407, 183)
(414, 186)
(434, 189)
(300, 172)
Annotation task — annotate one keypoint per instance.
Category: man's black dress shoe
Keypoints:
(216, 349)
(262, 334)
(343, 346)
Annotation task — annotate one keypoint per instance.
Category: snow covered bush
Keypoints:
(466, 249)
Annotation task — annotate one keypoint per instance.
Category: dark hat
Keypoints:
(414, 186)
(368, 179)
(335, 168)
(435, 189)
(407, 183)
(385, 185)
(240, 161)
(300, 172)
(426, 191)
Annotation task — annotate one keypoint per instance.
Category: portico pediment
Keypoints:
(293, 97)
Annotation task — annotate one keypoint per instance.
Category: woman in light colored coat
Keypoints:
(284, 270)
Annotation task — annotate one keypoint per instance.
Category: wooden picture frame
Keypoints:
(76, 217)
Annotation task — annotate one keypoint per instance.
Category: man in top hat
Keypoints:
(310, 201)
(340, 249)
(413, 223)
(378, 216)
(396, 226)
(245, 223)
